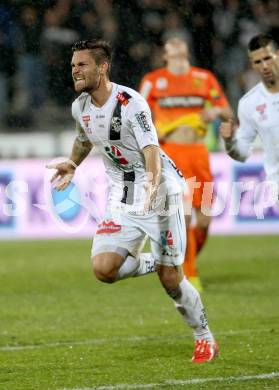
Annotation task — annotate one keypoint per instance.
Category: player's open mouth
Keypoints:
(79, 81)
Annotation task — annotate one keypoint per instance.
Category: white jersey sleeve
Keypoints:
(81, 136)
(240, 146)
(139, 116)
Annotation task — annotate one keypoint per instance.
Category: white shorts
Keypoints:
(166, 232)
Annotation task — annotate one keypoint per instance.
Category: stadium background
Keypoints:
(62, 329)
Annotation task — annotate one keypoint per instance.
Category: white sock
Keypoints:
(190, 306)
(132, 266)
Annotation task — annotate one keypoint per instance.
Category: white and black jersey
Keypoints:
(121, 129)
(258, 114)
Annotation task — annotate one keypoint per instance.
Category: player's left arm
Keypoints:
(219, 105)
(153, 170)
(139, 115)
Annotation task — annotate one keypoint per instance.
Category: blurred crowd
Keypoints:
(36, 36)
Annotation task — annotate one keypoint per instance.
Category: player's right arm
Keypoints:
(238, 141)
(81, 148)
(219, 107)
(65, 170)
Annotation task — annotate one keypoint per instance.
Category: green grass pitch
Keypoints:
(62, 329)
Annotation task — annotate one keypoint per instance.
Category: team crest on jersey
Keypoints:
(116, 124)
(261, 109)
(161, 83)
(86, 120)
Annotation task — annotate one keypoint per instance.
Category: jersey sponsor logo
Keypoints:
(108, 226)
(86, 120)
(181, 101)
(142, 118)
(123, 98)
(200, 75)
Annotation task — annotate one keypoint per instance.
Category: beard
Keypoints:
(269, 81)
(272, 79)
(90, 87)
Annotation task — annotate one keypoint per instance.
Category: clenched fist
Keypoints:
(227, 129)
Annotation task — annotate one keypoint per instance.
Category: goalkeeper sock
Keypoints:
(190, 262)
(200, 237)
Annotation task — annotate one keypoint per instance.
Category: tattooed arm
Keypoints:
(66, 170)
(80, 150)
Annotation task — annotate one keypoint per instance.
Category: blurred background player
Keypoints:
(183, 100)
(258, 110)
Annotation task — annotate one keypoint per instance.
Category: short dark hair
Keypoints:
(262, 40)
(100, 50)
